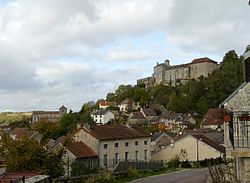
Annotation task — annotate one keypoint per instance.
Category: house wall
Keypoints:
(131, 148)
(83, 136)
(240, 101)
(109, 116)
(189, 144)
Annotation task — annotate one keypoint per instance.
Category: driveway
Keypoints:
(183, 176)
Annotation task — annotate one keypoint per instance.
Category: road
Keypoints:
(184, 176)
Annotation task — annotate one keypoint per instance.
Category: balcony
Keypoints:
(239, 129)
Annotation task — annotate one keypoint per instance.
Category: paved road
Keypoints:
(184, 176)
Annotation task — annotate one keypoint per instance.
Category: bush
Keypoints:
(174, 163)
(106, 178)
(196, 164)
(185, 164)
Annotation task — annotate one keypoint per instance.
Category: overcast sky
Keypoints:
(55, 52)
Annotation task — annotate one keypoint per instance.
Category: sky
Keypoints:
(64, 52)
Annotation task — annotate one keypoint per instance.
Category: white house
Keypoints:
(102, 116)
(125, 106)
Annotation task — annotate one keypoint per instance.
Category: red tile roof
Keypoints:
(202, 60)
(104, 103)
(81, 150)
(112, 132)
(213, 117)
(19, 132)
(15, 176)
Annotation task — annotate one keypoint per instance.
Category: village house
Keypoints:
(176, 122)
(190, 147)
(80, 157)
(115, 143)
(104, 104)
(237, 125)
(20, 133)
(150, 115)
(102, 116)
(214, 119)
(160, 140)
(125, 106)
(50, 116)
(137, 118)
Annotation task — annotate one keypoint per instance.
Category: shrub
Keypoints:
(174, 163)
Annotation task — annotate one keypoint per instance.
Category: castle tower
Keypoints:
(62, 110)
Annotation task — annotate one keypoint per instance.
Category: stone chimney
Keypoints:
(246, 67)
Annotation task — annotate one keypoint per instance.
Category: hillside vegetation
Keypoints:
(8, 118)
(196, 95)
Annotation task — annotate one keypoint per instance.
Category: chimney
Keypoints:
(246, 67)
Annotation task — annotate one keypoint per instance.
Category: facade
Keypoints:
(114, 143)
(125, 106)
(102, 116)
(174, 75)
(237, 126)
(83, 156)
(213, 119)
(136, 118)
(50, 116)
(191, 147)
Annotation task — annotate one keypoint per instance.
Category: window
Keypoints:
(145, 142)
(136, 143)
(116, 145)
(105, 160)
(126, 144)
(126, 156)
(136, 155)
(105, 146)
(145, 155)
(116, 158)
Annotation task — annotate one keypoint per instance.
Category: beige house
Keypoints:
(114, 143)
(190, 147)
(82, 155)
(237, 126)
(125, 106)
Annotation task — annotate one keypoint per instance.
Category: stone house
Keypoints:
(137, 118)
(50, 116)
(115, 143)
(237, 125)
(160, 140)
(190, 147)
(150, 115)
(213, 119)
(82, 156)
(102, 116)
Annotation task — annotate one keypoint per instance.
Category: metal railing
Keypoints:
(239, 129)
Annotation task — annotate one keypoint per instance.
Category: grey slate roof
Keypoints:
(99, 112)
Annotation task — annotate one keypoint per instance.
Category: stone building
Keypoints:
(237, 126)
(50, 116)
(173, 75)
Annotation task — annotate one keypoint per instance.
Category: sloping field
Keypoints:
(6, 118)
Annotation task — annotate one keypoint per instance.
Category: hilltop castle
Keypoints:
(176, 74)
